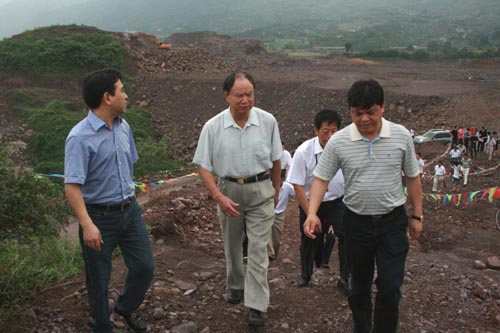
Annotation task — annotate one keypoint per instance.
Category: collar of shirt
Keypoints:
(97, 122)
(385, 131)
(229, 120)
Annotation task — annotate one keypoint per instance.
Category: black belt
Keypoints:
(396, 211)
(253, 179)
(122, 206)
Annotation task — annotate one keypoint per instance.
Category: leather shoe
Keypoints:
(302, 283)
(254, 317)
(134, 321)
(344, 285)
(234, 296)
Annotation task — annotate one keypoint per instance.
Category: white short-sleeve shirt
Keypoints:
(227, 150)
(301, 172)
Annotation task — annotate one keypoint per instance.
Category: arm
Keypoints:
(300, 193)
(276, 179)
(415, 195)
(91, 234)
(312, 223)
(226, 204)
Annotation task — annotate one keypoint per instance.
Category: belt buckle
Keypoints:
(376, 218)
(125, 205)
(240, 181)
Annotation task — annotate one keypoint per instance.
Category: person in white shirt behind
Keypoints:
(456, 155)
(466, 164)
(286, 161)
(305, 160)
(274, 245)
(439, 172)
(490, 146)
(455, 176)
(421, 165)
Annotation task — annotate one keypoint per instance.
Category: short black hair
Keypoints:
(329, 116)
(364, 94)
(97, 83)
(229, 80)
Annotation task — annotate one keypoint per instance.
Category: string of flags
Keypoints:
(144, 187)
(463, 198)
(445, 198)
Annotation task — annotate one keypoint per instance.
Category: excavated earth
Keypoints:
(448, 285)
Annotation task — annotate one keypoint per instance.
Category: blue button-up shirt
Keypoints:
(101, 159)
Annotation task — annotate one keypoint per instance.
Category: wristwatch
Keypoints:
(418, 218)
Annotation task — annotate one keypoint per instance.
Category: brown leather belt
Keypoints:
(253, 179)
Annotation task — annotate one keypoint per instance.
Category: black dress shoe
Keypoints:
(134, 321)
(254, 318)
(302, 283)
(234, 296)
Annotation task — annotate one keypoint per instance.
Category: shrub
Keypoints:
(153, 151)
(29, 267)
(63, 54)
(51, 123)
(29, 205)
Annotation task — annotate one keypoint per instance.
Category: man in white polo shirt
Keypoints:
(372, 152)
(305, 159)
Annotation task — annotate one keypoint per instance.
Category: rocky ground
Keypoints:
(448, 285)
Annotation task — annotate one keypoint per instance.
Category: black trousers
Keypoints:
(317, 250)
(380, 240)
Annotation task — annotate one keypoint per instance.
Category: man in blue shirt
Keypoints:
(98, 169)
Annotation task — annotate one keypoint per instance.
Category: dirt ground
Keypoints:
(447, 285)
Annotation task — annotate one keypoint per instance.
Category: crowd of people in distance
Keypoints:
(466, 143)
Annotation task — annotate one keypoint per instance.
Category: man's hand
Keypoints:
(312, 225)
(416, 228)
(92, 237)
(227, 205)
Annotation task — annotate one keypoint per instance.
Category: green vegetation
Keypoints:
(51, 123)
(48, 51)
(32, 256)
(386, 26)
(27, 268)
(153, 151)
(32, 208)
(29, 205)
(51, 120)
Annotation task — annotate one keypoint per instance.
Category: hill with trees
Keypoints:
(367, 25)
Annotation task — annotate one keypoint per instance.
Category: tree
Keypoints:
(348, 47)
(433, 46)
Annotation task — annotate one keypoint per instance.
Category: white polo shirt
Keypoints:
(301, 172)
